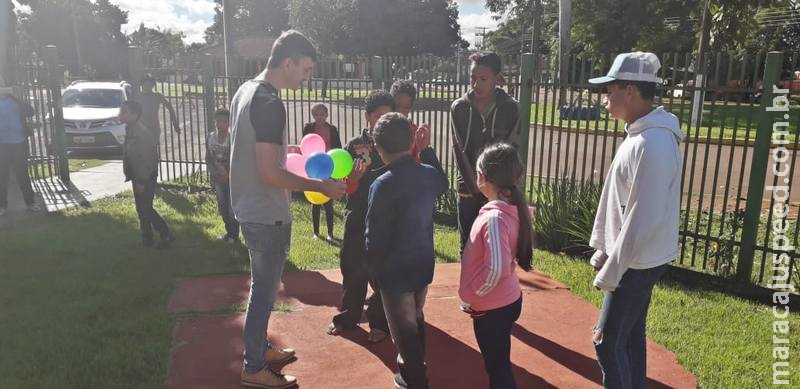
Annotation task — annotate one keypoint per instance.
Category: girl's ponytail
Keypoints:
(500, 164)
(525, 236)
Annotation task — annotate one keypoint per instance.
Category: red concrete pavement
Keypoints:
(550, 343)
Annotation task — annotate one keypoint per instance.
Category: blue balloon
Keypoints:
(319, 165)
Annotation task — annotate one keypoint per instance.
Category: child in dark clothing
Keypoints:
(405, 94)
(399, 240)
(330, 135)
(355, 277)
(140, 164)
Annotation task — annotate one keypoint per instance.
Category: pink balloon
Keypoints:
(296, 164)
(312, 143)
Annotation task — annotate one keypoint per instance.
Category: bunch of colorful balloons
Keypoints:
(314, 162)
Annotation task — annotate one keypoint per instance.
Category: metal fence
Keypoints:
(571, 136)
(39, 81)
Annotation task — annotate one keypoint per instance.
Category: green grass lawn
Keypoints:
(81, 164)
(726, 119)
(84, 305)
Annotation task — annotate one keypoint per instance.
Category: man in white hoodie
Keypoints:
(636, 227)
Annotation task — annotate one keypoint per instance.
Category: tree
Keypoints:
(408, 27)
(330, 24)
(613, 26)
(251, 18)
(9, 27)
(164, 44)
(379, 27)
(97, 25)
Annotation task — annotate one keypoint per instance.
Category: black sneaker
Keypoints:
(147, 242)
(165, 242)
(399, 382)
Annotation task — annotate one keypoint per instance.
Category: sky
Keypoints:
(192, 17)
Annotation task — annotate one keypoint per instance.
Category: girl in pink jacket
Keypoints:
(500, 238)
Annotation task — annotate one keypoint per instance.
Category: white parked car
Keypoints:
(91, 115)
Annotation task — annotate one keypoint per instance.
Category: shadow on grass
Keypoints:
(105, 291)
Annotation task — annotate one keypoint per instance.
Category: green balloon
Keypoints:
(342, 163)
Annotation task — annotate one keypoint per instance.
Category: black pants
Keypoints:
(407, 324)
(468, 208)
(14, 158)
(355, 279)
(315, 210)
(149, 219)
(493, 332)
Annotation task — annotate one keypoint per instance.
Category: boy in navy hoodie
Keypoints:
(399, 240)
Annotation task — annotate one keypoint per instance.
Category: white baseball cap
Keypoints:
(636, 66)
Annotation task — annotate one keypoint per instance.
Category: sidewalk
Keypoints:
(551, 344)
(86, 186)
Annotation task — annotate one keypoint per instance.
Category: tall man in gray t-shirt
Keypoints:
(260, 186)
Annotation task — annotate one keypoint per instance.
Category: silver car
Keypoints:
(91, 115)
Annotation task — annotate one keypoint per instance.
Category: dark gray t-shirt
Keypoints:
(257, 116)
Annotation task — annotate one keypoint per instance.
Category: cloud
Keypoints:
(19, 8)
(191, 17)
(470, 23)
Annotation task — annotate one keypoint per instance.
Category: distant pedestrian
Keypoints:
(218, 159)
(140, 164)
(14, 133)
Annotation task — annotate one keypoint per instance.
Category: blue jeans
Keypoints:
(223, 192)
(269, 248)
(622, 350)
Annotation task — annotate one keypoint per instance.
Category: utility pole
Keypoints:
(5, 42)
(536, 36)
(227, 25)
(76, 37)
(700, 66)
(564, 46)
(479, 44)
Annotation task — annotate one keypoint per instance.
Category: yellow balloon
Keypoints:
(316, 198)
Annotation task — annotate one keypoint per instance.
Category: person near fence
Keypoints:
(218, 153)
(399, 241)
(151, 102)
(260, 186)
(140, 165)
(405, 95)
(501, 238)
(355, 278)
(635, 230)
(14, 133)
(486, 114)
(330, 134)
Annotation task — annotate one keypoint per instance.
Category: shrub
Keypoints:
(564, 216)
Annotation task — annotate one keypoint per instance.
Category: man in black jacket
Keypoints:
(485, 115)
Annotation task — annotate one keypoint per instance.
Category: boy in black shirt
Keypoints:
(367, 168)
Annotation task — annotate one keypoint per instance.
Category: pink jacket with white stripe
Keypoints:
(488, 276)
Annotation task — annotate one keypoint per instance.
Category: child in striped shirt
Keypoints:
(500, 239)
